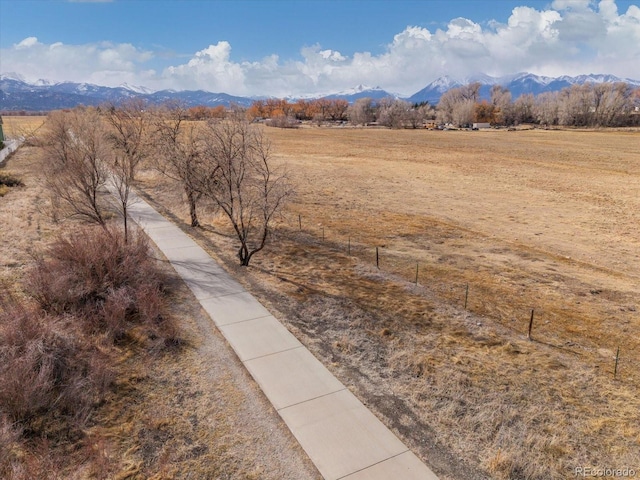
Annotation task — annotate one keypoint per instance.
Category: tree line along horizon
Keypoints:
(590, 104)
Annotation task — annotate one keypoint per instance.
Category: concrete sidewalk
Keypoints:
(10, 147)
(341, 436)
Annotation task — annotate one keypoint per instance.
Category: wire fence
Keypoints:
(476, 298)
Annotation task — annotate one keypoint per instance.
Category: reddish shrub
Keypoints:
(55, 366)
(111, 285)
(48, 370)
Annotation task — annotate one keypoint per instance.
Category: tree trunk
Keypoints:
(245, 257)
(192, 209)
(126, 227)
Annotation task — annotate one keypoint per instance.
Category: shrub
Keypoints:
(110, 286)
(48, 372)
(8, 180)
(282, 121)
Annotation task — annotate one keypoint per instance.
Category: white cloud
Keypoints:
(27, 43)
(209, 69)
(101, 63)
(569, 37)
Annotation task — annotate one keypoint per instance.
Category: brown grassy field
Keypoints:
(542, 220)
(16, 126)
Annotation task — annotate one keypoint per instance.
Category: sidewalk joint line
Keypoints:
(315, 398)
(209, 297)
(374, 464)
(243, 321)
(271, 354)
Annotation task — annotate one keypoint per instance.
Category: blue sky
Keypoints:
(291, 47)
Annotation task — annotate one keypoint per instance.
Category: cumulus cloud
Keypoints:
(209, 69)
(568, 37)
(102, 63)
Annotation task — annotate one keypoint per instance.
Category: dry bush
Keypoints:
(48, 372)
(8, 180)
(57, 358)
(282, 121)
(109, 285)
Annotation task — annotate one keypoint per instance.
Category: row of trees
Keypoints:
(390, 112)
(588, 105)
(591, 104)
(227, 163)
(320, 110)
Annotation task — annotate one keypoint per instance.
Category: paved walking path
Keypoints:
(10, 147)
(341, 436)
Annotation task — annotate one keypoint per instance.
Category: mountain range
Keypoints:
(519, 84)
(17, 94)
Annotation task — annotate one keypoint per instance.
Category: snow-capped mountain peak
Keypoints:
(42, 95)
(12, 76)
(136, 88)
(41, 82)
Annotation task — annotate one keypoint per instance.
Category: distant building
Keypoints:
(479, 125)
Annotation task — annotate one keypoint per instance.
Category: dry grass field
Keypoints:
(16, 126)
(542, 220)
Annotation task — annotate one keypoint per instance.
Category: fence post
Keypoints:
(615, 368)
(377, 259)
(300, 221)
(466, 297)
(530, 325)
(416, 273)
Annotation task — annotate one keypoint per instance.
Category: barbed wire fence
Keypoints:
(465, 295)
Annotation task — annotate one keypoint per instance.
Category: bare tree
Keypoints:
(462, 113)
(503, 108)
(362, 111)
(128, 135)
(576, 105)
(337, 110)
(75, 163)
(611, 103)
(179, 153)
(393, 113)
(546, 108)
(239, 177)
(523, 108)
(419, 114)
(457, 105)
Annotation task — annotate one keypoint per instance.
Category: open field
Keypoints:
(543, 220)
(16, 126)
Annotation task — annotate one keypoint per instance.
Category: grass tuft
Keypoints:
(7, 181)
